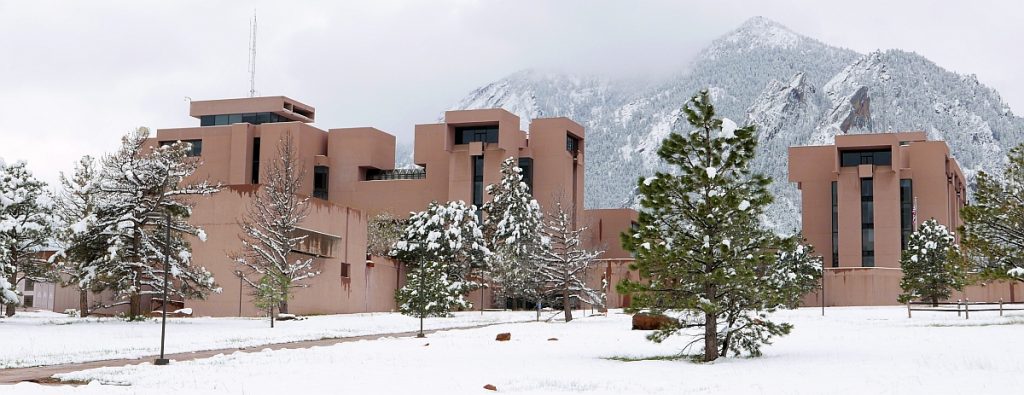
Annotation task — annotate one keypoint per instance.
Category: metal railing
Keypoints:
(396, 174)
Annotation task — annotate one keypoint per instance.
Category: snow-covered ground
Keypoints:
(46, 338)
(850, 351)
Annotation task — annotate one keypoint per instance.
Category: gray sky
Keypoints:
(76, 75)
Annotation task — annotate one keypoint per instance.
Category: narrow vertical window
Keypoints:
(835, 224)
(478, 183)
(256, 160)
(320, 176)
(867, 222)
(906, 211)
(526, 165)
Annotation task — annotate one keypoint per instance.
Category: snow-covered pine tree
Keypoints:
(81, 244)
(26, 226)
(270, 226)
(141, 186)
(931, 266)
(563, 262)
(446, 238)
(700, 243)
(430, 291)
(512, 226)
(794, 271)
(994, 224)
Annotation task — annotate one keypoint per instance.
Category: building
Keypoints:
(861, 199)
(351, 175)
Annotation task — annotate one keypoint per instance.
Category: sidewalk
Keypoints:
(43, 374)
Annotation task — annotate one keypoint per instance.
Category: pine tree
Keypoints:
(700, 245)
(269, 293)
(563, 262)
(994, 225)
(512, 226)
(270, 227)
(25, 228)
(931, 268)
(448, 239)
(142, 186)
(430, 291)
(81, 244)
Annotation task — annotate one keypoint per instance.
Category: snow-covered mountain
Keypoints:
(797, 90)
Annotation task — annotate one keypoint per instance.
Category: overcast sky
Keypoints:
(76, 75)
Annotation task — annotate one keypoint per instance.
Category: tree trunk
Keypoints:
(935, 301)
(14, 283)
(565, 304)
(83, 303)
(728, 337)
(710, 337)
(271, 315)
(284, 307)
(135, 304)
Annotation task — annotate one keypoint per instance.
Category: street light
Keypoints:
(163, 325)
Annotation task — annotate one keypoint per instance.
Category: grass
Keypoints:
(673, 357)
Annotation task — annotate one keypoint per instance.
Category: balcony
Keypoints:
(396, 174)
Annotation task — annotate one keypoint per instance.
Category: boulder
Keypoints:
(503, 337)
(490, 387)
(650, 321)
(553, 339)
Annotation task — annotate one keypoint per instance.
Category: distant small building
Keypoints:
(861, 199)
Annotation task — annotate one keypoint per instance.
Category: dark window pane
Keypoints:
(320, 179)
(206, 120)
(249, 118)
(220, 120)
(883, 158)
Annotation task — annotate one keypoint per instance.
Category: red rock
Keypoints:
(490, 387)
(504, 337)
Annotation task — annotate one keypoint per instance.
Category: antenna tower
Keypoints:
(252, 56)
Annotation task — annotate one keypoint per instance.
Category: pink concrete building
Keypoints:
(863, 196)
(350, 174)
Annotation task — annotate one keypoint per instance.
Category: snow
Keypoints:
(849, 351)
(44, 338)
(744, 205)
(712, 172)
(728, 128)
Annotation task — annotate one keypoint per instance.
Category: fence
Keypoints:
(964, 307)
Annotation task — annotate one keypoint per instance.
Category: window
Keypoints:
(195, 146)
(469, 134)
(906, 211)
(526, 164)
(29, 301)
(867, 222)
(835, 224)
(345, 270)
(320, 175)
(478, 181)
(254, 118)
(29, 285)
(572, 144)
(256, 160)
(866, 157)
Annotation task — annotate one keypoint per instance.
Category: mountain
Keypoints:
(796, 89)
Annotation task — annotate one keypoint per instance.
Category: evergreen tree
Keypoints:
(931, 268)
(25, 228)
(143, 186)
(270, 227)
(81, 243)
(994, 225)
(430, 291)
(563, 262)
(512, 226)
(269, 293)
(448, 238)
(701, 248)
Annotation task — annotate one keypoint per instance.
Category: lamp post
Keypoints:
(163, 325)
